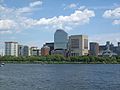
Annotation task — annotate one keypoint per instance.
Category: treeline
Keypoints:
(61, 59)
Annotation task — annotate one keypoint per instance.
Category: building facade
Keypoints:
(34, 51)
(23, 50)
(94, 49)
(51, 46)
(11, 48)
(45, 50)
(60, 39)
(78, 45)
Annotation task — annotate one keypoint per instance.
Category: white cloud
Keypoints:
(71, 6)
(116, 22)
(24, 10)
(7, 24)
(36, 3)
(13, 18)
(21, 22)
(81, 7)
(6, 32)
(76, 18)
(115, 13)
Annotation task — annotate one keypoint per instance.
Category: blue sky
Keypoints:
(33, 22)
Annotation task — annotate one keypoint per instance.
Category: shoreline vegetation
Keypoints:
(59, 59)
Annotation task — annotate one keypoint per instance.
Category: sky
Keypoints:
(33, 22)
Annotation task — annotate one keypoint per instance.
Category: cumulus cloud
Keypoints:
(113, 14)
(81, 7)
(77, 18)
(116, 22)
(37, 3)
(7, 24)
(15, 18)
(71, 6)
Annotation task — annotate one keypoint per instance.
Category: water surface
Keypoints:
(60, 77)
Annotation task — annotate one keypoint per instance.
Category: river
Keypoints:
(60, 77)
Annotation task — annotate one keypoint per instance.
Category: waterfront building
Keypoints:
(108, 50)
(60, 39)
(26, 51)
(51, 46)
(34, 51)
(11, 48)
(20, 50)
(23, 50)
(78, 45)
(45, 50)
(94, 49)
(59, 51)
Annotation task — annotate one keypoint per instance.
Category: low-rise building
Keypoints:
(45, 50)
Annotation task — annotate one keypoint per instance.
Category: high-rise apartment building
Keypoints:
(94, 48)
(60, 39)
(78, 45)
(11, 48)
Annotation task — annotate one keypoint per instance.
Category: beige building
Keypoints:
(78, 45)
(34, 51)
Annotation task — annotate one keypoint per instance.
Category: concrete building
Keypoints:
(11, 48)
(26, 51)
(60, 39)
(23, 50)
(51, 46)
(45, 50)
(94, 49)
(34, 51)
(109, 49)
(78, 45)
(20, 50)
(59, 51)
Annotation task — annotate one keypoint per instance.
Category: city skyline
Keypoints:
(32, 23)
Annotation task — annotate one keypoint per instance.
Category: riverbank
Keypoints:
(59, 59)
(54, 62)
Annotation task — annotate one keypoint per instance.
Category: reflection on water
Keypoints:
(60, 77)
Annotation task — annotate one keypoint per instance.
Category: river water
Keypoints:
(60, 77)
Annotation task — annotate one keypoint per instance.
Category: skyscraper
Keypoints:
(11, 48)
(60, 39)
(78, 45)
(94, 48)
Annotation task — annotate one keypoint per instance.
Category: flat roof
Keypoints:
(11, 42)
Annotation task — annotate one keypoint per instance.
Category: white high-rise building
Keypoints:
(11, 48)
(60, 39)
(78, 45)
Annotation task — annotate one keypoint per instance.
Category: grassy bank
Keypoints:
(59, 59)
